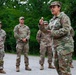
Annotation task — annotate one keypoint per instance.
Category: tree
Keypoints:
(32, 10)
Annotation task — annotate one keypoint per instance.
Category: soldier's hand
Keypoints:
(24, 39)
(41, 21)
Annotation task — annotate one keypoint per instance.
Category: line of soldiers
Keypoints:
(55, 38)
(22, 35)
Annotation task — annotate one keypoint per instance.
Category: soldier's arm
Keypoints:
(64, 30)
(38, 36)
(4, 35)
(28, 34)
(72, 32)
(16, 34)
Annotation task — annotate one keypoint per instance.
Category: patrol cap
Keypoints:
(55, 3)
(46, 22)
(21, 18)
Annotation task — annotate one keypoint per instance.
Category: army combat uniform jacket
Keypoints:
(21, 32)
(60, 27)
(43, 38)
(2, 38)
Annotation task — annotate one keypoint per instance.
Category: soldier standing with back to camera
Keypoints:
(62, 41)
(45, 46)
(22, 35)
(2, 52)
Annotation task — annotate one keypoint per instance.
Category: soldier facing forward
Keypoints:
(2, 40)
(44, 40)
(22, 35)
(62, 42)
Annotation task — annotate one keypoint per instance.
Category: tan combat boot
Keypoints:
(2, 71)
(41, 67)
(17, 69)
(27, 68)
(50, 66)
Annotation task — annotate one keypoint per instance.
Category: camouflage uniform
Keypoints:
(21, 32)
(45, 45)
(62, 42)
(2, 52)
(70, 58)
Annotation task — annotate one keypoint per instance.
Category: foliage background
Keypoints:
(32, 10)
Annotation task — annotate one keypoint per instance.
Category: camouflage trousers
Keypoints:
(2, 53)
(22, 47)
(43, 50)
(61, 63)
(70, 58)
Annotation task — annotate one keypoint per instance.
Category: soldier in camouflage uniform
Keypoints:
(22, 35)
(45, 46)
(2, 40)
(62, 42)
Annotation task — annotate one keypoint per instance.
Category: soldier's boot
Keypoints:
(27, 68)
(50, 66)
(17, 69)
(41, 67)
(71, 65)
(2, 71)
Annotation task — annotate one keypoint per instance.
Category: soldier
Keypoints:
(62, 42)
(22, 35)
(2, 52)
(45, 46)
